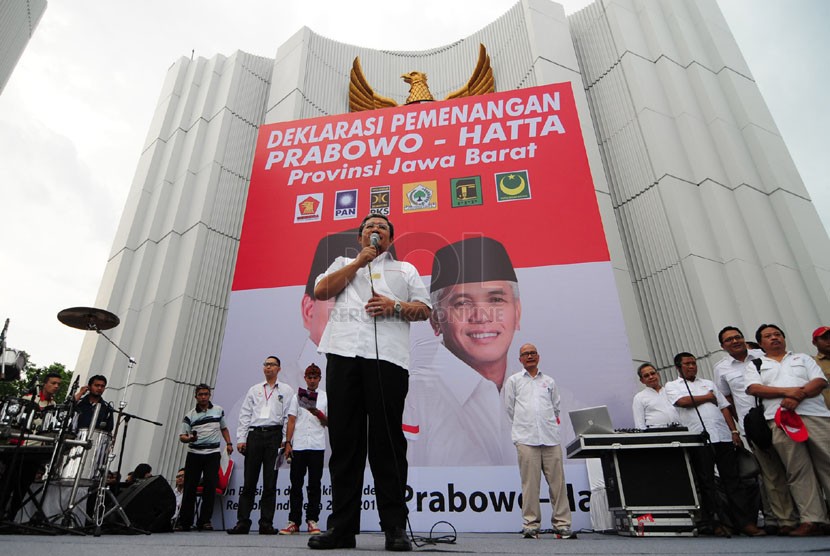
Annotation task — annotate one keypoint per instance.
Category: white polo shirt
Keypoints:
(795, 370)
(729, 376)
(309, 432)
(350, 331)
(711, 414)
(653, 409)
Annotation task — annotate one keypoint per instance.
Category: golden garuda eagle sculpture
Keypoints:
(363, 97)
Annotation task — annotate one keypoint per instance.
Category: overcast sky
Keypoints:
(74, 115)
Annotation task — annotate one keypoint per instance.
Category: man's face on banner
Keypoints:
(477, 321)
(316, 316)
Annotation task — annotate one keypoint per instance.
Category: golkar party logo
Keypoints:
(512, 186)
(420, 196)
(466, 192)
(309, 208)
(379, 199)
(345, 204)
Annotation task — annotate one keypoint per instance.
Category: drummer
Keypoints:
(88, 397)
(51, 385)
(27, 473)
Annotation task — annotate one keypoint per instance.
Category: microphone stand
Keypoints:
(705, 433)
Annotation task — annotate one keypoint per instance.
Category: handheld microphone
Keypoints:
(6, 329)
(374, 239)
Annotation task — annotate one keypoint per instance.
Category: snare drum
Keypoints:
(86, 463)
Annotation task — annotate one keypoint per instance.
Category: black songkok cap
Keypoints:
(473, 260)
(338, 244)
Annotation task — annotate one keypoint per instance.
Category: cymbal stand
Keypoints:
(101, 511)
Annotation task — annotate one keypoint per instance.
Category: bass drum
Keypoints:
(88, 464)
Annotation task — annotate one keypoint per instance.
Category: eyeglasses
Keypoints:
(731, 339)
(270, 364)
(528, 353)
(373, 226)
(180, 476)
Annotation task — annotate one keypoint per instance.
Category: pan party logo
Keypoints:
(420, 196)
(512, 186)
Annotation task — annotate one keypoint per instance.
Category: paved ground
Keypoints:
(220, 544)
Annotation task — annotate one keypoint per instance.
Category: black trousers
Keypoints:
(260, 453)
(302, 461)
(741, 508)
(205, 467)
(365, 415)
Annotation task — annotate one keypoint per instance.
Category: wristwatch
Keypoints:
(398, 307)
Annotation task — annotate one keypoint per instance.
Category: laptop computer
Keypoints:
(591, 420)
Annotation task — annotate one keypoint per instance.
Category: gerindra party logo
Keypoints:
(512, 186)
(420, 196)
(309, 208)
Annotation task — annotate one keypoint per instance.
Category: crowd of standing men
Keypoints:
(791, 445)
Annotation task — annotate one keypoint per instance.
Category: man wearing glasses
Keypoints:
(779, 510)
(366, 342)
(259, 436)
(651, 407)
(532, 401)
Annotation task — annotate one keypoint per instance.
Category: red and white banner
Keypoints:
(510, 166)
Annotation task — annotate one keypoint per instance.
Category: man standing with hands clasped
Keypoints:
(203, 428)
(259, 437)
(532, 401)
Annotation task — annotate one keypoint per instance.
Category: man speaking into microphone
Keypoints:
(366, 342)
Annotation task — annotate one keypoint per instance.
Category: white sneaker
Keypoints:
(565, 534)
(530, 533)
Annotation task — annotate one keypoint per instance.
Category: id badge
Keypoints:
(265, 412)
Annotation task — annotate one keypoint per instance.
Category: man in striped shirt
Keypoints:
(203, 429)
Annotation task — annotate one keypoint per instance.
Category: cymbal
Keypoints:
(88, 318)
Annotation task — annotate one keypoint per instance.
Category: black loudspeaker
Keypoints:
(150, 504)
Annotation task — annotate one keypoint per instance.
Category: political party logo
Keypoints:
(512, 186)
(420, 196)
(309, 208)
(466, 191)
(379, 199)
(345, 204)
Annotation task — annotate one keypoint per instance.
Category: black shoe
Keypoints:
(397, 541)
(239, 529)
(331, 540)
(267, 530)
(181, 528)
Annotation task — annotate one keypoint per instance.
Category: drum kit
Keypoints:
(79, 458)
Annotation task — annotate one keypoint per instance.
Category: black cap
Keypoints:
(473, 260)
(338, 244)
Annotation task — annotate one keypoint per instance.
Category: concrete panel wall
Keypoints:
(716, 224)
(170, 271)
(18, 19)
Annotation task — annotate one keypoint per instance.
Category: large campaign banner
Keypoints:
(492, 201)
